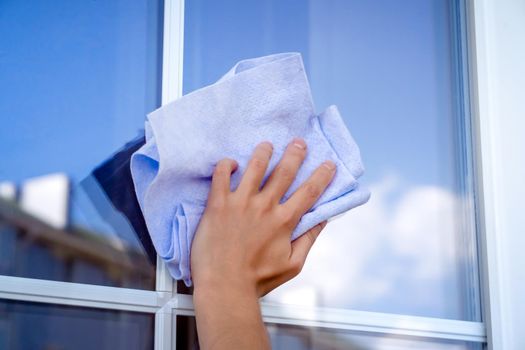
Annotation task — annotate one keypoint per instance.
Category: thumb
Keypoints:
(302, 245)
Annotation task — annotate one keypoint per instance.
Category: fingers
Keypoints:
(310, 191)
(254, 174)
(302, 245)
(220, 183)
(285, 172)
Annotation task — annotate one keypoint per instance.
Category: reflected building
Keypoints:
(39, 240)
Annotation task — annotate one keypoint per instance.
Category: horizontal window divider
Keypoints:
(362, 321)
(82, 295)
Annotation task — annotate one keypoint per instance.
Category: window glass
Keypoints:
(28, 326)
(309, 338)
(77, 79)
(393, 70)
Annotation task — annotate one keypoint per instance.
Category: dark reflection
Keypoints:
(115, 192)
(182, 289)
(289, 337)
(46, 239)
(30, 326)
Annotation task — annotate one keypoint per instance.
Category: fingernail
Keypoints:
(299, 143)
(267, 144)
(329, 165)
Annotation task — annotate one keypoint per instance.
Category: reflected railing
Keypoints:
(73, 254)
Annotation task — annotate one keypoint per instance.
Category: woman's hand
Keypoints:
(243, 239)
(242, 248)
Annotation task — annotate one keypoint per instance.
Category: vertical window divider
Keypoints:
(481, 31)
(172, 59)
(465, 139)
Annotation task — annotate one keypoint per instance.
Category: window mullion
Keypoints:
(173, 39)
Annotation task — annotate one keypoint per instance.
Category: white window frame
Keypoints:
(165, 303)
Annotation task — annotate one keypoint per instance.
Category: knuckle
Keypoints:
(311, 236)
(285, 173)
(312, 190)
(264, 273)
(216, 204)
(263, 203)
(285, 216)
(296, 266)
(239, 203)
(258, 163)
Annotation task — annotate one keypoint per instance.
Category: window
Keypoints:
(402, 271)
(65, 327)
(393, 71)
(77, 80)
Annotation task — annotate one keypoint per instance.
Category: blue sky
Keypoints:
(386, 64)
(77, 82)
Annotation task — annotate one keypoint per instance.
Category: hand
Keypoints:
(243, 239)
(242, 248)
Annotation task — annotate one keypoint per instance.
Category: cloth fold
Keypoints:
(261, 99)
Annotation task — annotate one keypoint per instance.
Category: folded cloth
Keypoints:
(261, 99)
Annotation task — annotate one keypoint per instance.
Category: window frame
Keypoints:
(166, 303)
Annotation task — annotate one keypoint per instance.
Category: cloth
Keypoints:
(261, 99)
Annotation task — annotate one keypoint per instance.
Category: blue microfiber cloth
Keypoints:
(261, 99)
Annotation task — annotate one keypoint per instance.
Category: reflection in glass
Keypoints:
(288, 337)
(392, 68)
(29, 326)
(77, 80)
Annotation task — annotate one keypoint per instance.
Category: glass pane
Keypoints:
(393, 70)
(77, 79)
(309, 338)
(31, 326)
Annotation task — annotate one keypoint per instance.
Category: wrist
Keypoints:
(229, 314)
(224, 290)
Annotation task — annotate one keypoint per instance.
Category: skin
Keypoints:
(242, 249)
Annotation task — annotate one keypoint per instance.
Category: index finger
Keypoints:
(310, 191)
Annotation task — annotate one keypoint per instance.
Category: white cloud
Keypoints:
(397, 253)
(7, 190)
(47, 198)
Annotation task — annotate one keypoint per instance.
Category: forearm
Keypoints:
(229, 318)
